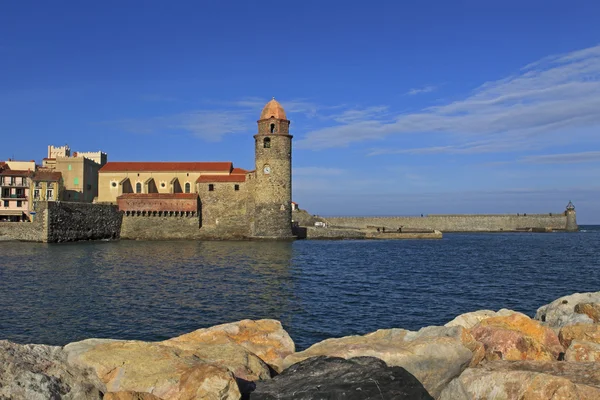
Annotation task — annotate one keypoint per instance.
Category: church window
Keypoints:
(138, 187)
(113, 184)
(211, 187)
(236, 187)
(272, 128)
(267, 143)
(187, 187)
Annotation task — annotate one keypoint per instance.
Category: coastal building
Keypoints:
(14, 194)
(46, 185)
(223, 198)
(79, 171)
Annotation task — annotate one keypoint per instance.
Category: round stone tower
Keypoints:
(571, 218)
(273, 186)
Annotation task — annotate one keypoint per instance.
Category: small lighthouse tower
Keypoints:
(571, 218)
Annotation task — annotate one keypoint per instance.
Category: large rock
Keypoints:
(581, 351)
(517, 337)
(39, 372)
(470, 319)
(336, 378)
(167, 371)
(434, 355)
(266, 338)
(586, 332)
(130, 396)
(592, 310)
(561, 312)
(526, 380)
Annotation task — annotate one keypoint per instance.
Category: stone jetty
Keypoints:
(483, 354)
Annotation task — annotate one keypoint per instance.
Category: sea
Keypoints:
(155, 290)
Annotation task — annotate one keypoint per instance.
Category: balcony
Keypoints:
(14, 197)
(14, 184)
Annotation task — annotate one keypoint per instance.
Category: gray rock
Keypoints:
(39, 372)
(337, 378)
(561, 312)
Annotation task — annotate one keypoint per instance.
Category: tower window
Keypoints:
(138, 187)
(211, 187)
(187, 187)
(267, 143)
(236, 187)
(272, 128)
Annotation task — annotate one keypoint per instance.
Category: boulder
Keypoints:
(586, 332)
(582, 351)
(434, 355)
(517, 337)
(592, 310)
(337, 378)
(166, 371)
(130, 396)
(526, 380)
(561, 312)
(39, 372)
(470, 319)
(266, 338)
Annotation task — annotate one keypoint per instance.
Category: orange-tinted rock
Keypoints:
(585, 332)
(130, 396)
(592, 310)
(516, 337)
(470, 319)
(581, 351)
(526, 380)
(266, 338)
(165, 371)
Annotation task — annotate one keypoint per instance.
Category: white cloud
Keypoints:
(566, 158)
(555, 95)
(426, 89)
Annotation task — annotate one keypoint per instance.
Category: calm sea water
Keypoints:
(60, 293)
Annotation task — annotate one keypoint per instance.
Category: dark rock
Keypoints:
(336, 378)
(39, 372)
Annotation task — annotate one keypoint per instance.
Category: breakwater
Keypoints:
(482, 354)
(461, 222)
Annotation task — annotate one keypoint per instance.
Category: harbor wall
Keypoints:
(457, 223)
(68, 222)
(150, 227)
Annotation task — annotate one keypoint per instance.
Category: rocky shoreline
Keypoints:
(478, 355)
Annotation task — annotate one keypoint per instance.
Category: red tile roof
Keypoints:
(48, 176)
(167, 166)
(239, 171)
(14, 172)
(162, 196)
(221, 178)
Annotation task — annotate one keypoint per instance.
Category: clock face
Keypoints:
(267, 169)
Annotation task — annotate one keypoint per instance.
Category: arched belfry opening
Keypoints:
(272, 128)
(267, 143)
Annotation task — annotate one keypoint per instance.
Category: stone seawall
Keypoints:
(26, 231)
(179, 227)
(457, 223)
(68, 222)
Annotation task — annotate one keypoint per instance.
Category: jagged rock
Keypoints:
(337, 378)
(582, 351)
(39, 372)
(592, 310)
(517, 337)
(434, 355)
(526, 380)
(167, 371)
(586, 332)
(470, 319)
(561, 312)
(266, 338)
(130, 396)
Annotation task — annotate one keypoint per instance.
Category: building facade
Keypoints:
(79, 172)
(224, 199)
(46, 185)
(14, 192)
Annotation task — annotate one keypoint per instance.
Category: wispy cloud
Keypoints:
(425, 89)
(537, 106)
(566, 158)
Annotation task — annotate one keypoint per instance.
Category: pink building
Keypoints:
(14, 195)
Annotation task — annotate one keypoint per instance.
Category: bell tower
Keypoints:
(273, 186)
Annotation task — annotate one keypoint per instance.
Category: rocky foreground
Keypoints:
(478, 355)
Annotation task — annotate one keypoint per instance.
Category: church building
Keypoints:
(223, 199)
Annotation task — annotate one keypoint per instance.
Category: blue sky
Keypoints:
(396, 108)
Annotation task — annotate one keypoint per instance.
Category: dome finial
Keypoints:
(273, 110)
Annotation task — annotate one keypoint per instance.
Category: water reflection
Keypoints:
(141, 290)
